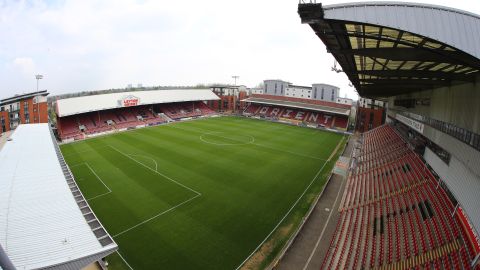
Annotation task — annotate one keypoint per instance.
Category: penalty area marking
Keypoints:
(123, 259)
(163, 212)
(156, 165)
(215, 134)
(98, 177)
(155, 216)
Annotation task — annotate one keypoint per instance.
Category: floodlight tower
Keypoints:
(235, 77)
(38, 77)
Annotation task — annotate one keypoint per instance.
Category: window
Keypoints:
(315, 93)
(2, 120)
(275, 88)
(333, 95)
(322, 93)
(281, 89)
(27, 120)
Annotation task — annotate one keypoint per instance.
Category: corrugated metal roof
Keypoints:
(457, 28)
(40, 222)
(77, 105)
(392, 48)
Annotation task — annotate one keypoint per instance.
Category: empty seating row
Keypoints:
(394, 215)
(277, 112)
(77, 126)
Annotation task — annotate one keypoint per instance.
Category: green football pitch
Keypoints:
(203, 194)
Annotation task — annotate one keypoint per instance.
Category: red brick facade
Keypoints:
(369, 118)
(29, 112)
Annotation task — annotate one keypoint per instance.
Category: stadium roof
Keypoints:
(41, 224)
(23, 96)
(77, 105)
(391, 48)
(300, 105)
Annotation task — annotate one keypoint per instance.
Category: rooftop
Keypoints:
(392, 48)
(41, 223)
(313, 105)
(83, 104)
(23, 96)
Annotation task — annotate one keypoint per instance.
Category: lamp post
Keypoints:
(235, 77)
(38, 77)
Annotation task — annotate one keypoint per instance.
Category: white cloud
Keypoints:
(89, 44)
(25, 65)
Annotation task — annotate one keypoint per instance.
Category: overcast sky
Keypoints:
(90, 45)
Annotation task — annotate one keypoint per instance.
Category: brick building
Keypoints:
(370, 114)
(23, 109)
(230, 98)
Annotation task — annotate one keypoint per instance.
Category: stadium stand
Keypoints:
(105, 114)
(315, 112)
(411, 200)
(393, 215)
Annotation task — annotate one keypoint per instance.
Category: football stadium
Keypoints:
(278, 177)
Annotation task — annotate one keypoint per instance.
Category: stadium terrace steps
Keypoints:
(393, 216)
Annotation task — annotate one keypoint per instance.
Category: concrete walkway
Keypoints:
(312, 243)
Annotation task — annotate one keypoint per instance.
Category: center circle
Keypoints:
(226, 139)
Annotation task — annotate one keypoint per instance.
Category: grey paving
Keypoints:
(310, 247)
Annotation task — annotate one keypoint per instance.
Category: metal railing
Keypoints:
(466, 136)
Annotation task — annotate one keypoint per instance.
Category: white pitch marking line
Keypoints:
(156, 165)
(159, 173)
(252, 139)
(84, 151)
(97, 196)
(154, 217)
(290, 152)
(124, 260)
(253, 142)
(76, 165)
(281, 220)
(291, 208)
(96, 175)
(323, 230)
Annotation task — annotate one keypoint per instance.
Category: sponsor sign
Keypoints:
(341, 166)
(469, 228)
(411, 123)
(129, 101)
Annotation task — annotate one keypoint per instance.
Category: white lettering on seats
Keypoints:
(327, 118)
(275, 111)
(299, 115)
(313, 117)
(287, 113)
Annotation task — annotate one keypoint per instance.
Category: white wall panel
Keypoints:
(464, 184)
